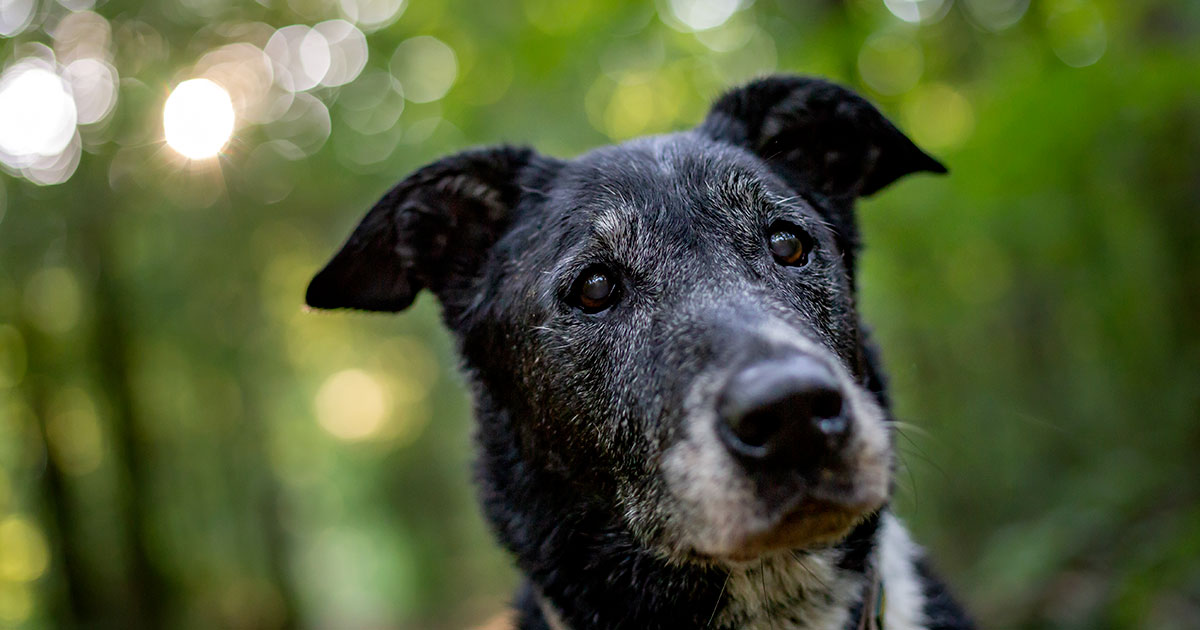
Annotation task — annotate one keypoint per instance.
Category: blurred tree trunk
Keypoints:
(147, 585)
(74, 598)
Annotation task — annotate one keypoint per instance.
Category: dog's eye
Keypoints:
(595, 290)
(788, 244)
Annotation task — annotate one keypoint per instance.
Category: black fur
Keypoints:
(585, 418)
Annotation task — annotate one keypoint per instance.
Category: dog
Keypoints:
(682, 422)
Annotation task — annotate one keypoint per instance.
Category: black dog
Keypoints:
(681, 420)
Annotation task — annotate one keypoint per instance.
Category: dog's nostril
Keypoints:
(788, 412)
(755, 429)
(825, 404)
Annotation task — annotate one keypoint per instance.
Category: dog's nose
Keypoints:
(783, 413)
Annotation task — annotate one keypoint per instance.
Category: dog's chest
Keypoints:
(789, 593)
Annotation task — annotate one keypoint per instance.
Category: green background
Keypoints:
(183, 445)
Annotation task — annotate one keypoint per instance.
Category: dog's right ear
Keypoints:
(434, 227)
(817, 133)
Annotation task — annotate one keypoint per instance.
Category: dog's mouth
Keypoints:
(817, 520)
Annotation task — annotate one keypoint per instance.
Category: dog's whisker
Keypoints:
(717, 605)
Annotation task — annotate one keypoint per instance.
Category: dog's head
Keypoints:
(669, 324)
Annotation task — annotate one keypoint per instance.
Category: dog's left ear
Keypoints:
(432, 230)
(818, 134)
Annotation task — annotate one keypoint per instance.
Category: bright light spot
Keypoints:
(352, 405)
(914, 11)
(37, 113)
(1077, 35)
(302, 53)
(426, 67)
(94, 86)
(890, 63)
(37, 120)
(701, 15)
(15, 16)
(347, 51)
(996, 15)
(372, 15)
(198, 119)
(26, 555)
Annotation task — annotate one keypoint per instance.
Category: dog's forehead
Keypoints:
(671, 177)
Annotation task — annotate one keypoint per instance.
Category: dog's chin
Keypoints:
(814, 522)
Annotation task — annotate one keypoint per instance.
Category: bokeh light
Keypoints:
(302, 53)
(938, 116)
(995, 15)
(94, 87)
(306, 125)
(347, 51)
(26, 555)
(37, 113)
(82, 35)
(701, 15)
(15, 16)
(73, 432)
(198, 119)
(247, 74)
(352, 405)
(53, 299)
(372, 15)
(16, 603)
(891, 63)
(426, 68)
(916, 11)
(1077, 33)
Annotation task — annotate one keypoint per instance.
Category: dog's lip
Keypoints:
(816, 519)
(803, 530)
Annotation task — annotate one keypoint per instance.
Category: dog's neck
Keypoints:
(795, 592)
(786, 592)
(587, 572)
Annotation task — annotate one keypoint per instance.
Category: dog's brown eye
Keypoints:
(595, 290)
(788, 245)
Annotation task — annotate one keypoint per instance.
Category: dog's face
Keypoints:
(669, 323)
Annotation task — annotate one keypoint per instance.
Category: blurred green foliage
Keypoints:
(182, 445)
